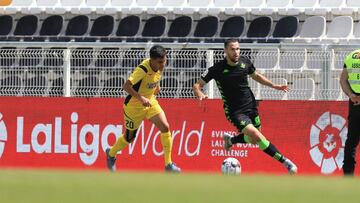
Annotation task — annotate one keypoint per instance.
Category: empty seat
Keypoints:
(331, 3)
(227, 6)
(17, 6)
(233, 27)
(313, 27)
(327, 6)
(353, 3)
(127, 6)
(194, 6)
(128, 26)
(302, 89)
(26, 25)
(278, 3)
(346, 24)
(76, 28)
(100, 6)
(96, 3)
(286, 27)
(300, 6)
(180, 27)
(154, 26)
(147, 3)
(259, 28)
(206, 27)
(51, 26)
(103, 26)
(43, 5)
(267, 93)
(70, 3)
(272, 6)
(252, 3)
(305, 3)
(6, 24)
(46, 3)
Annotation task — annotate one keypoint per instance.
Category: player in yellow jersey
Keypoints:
(141, 103)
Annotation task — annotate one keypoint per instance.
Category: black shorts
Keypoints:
(240, 119)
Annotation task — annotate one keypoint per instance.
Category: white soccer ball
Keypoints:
(231, 166)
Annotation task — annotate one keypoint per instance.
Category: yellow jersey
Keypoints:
(144, 81)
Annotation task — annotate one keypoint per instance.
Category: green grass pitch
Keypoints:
(37, 186)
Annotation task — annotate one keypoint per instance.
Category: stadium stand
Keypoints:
(100, 41)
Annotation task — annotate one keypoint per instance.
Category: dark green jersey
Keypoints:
(233, 85)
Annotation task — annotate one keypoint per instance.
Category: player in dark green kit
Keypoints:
(231, 76)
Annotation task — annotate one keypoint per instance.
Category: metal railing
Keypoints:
(88, 70)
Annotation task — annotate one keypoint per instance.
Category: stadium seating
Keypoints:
(259, 28)
(52, 26)
(103, 26)
(6, 23)
(286, 27)
(154, 27)
(232, 27)
(315, 22)
(27, 25)
(335, 34)
(180, 28)
(313, 28)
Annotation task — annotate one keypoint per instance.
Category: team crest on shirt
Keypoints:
(242, 65)
(356, 55)
(152, 85)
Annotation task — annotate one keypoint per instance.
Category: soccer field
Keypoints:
(101, 186)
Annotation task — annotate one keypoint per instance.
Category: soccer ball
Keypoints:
(231, 166)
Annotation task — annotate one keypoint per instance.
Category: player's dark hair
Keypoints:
(157, 51)
(231, 40)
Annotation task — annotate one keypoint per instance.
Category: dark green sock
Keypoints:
(271, 150)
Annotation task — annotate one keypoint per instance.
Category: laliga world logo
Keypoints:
(327, 141)
(3, 135)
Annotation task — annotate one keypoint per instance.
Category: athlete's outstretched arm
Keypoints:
(128, 87)
(197, 88)
(264, 81)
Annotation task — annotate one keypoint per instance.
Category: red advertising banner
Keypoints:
(74, 133)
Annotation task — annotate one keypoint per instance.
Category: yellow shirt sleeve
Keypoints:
(137, 75)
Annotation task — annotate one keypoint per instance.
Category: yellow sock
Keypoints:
(166, 141)
(120, 144)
